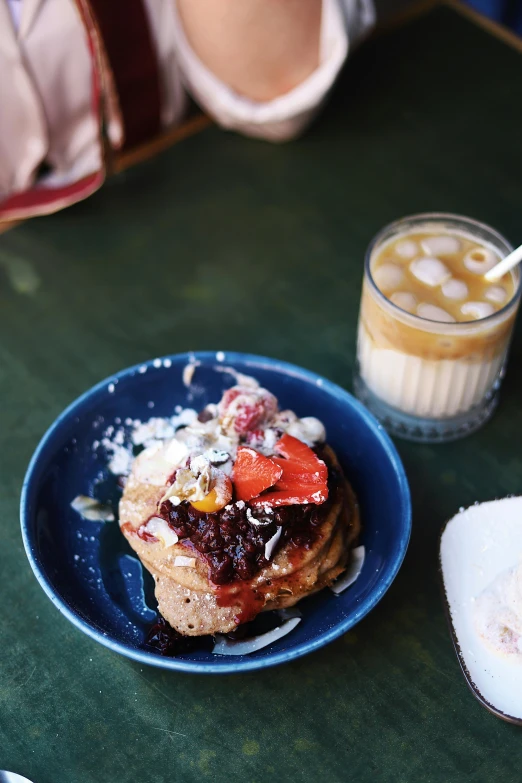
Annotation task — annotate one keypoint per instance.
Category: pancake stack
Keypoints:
(187, 597)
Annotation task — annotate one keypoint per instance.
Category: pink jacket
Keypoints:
(82, 81)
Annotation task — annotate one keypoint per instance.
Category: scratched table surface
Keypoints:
(228, 243)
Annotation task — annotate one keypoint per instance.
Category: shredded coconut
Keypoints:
(226, 646)
(92, 509)
(157, 527)
(184, 562)
(189, 370)
(272, 543)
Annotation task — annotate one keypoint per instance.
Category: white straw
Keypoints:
(507, 263)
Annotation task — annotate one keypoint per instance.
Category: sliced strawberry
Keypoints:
(253, 473)
(294, 472)
(297, 451)
(300, 459)
(299, 482)
(292, 497)
(304, 476)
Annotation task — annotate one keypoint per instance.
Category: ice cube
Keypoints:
(407, 248)
(404, 300)
(440, 245)
(433, 313)
(388, 276)
(495, 293)
(480, 260)
(477, 310)
(455, 289)
(430, 271)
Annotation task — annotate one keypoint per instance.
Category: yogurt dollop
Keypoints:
(498, 613)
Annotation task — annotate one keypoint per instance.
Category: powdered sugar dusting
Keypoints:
(118, 442)
(120, 462)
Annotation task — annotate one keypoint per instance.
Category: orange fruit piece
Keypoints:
(217, 498)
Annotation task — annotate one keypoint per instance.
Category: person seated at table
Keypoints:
(82, 81)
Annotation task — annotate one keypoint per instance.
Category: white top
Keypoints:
(47, 99)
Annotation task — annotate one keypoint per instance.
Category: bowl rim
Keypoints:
(242, 663)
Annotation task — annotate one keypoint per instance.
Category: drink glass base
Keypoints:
(426, 430)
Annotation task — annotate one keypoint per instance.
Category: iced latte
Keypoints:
(433, 333)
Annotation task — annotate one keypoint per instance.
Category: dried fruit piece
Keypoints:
(253, 473)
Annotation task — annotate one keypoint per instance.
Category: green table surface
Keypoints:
(228, 243)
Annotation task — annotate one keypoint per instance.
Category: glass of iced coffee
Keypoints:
(433, 333)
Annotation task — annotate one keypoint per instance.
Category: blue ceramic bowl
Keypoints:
(92, 576)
